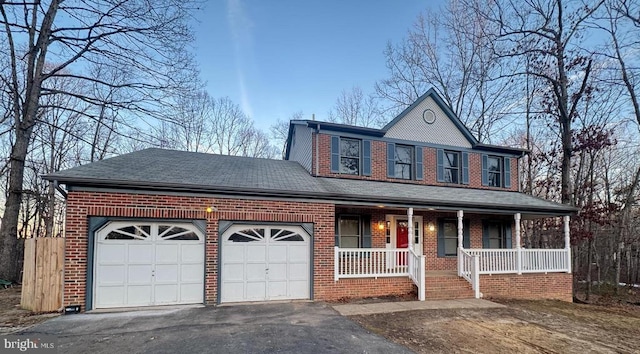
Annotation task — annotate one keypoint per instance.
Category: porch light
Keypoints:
(380, 225)
(431, 226)
(211, 209)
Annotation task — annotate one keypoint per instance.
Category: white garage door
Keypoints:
(144, 263)
(265, 262)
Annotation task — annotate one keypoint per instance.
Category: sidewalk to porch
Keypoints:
(385, 307)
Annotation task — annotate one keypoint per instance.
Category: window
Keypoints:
(350, 156)
(403, 161)
(496, 235)
(349, 231)
(494, 170)
(448, 237)
(451, 167)
(450, 233)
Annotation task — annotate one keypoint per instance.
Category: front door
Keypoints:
(402, 239)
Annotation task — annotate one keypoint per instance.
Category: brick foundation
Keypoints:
(552, 286)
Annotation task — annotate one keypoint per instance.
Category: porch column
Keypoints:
(567, 242)
(410, 227)
(518, 248)
(460, 242)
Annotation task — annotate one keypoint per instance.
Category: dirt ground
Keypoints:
(12, 317)
(522, 327)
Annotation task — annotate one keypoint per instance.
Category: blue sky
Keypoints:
(278, 57)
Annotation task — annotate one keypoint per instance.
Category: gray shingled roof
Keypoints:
(169, 170)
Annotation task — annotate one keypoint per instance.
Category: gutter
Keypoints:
(59, 189)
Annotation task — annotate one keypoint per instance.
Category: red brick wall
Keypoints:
(379, 166)
(555, 286)
(81, 205)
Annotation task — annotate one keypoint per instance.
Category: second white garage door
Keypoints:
(265, 262)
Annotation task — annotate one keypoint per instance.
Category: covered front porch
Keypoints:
(440, 246)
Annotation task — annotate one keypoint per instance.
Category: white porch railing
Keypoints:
(469, 269)
(417, 273)
(514, 260)
(380, 262)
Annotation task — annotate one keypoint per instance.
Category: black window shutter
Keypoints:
(419, 163)
(465, 167)
(485, 170)
(441, 238)
(335, 154)
(507, 235)
(366, 157)
(366, 231)
(507, 172)
(466, 234)
(485, 234)
(391, 160)
(440, 165)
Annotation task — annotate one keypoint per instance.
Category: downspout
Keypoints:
(59, 189)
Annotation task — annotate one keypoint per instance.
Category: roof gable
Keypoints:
(446, 129)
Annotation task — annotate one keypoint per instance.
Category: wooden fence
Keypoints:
(42, 274)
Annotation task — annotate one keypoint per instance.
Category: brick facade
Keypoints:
(82, 205)
(379, 166)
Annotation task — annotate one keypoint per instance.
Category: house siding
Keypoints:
(379, 166)
(442, 132)
(301, 146)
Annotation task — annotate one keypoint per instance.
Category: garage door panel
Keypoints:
(277, 271)
(191, 253)
(255, 271)
(140, 252)
(112, 253)
(166, 273)
(277, 253)
(256, 253)
(299, 288)
(166, 293)
(277, 290)
(138, 295)
(234, 253)
(139, 273)
(190, 293)
(299, 253)
(256, 290)
(232, 291)
(113, 274)
(233, 272)
(138, 267)
(167, 253)
(191, 272)
(298, 272)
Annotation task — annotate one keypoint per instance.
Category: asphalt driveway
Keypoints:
(261, 328)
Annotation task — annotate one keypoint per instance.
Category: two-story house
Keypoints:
(419, 205)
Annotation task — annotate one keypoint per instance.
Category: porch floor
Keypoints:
(385, 307)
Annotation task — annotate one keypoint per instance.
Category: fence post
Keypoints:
(476, 276)
(460, 262)
(335, 263)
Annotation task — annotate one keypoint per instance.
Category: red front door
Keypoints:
(402, 239)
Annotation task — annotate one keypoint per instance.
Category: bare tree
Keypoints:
(145, 41)
(280, 130)
(354, 108)
(451, 51)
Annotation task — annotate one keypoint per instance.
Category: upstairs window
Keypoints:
(350, 156)
(403, 161)
(496, 171)
(451, 167)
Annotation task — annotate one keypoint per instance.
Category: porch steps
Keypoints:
(445, 285)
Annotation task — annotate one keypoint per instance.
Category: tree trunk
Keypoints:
(589, 261)
(10, 254)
